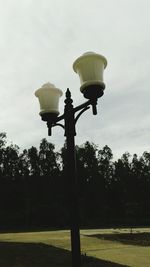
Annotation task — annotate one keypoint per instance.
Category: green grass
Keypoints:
(103, 248)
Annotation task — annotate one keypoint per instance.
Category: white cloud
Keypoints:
(39, 42)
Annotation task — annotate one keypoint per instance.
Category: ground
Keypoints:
(100, 248)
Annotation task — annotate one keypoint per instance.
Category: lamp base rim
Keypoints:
(48, 116)
(93, 91)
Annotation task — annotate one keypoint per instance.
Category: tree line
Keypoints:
(34, 190)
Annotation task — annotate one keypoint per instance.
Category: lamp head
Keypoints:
(48, 96)
(90, 67)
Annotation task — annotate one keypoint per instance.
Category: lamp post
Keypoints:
(90, 68)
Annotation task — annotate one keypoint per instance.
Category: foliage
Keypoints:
(33, 189)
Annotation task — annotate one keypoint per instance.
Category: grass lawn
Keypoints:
(103, 248)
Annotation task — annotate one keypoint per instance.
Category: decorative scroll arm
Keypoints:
(69, 113)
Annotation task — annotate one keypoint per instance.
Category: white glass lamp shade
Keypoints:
(90, 67)
(48, 96)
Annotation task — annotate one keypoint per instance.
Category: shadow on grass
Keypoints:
(137, 239)
(14, 254)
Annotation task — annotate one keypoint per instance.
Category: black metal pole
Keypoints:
(71, 177)
(72, 181)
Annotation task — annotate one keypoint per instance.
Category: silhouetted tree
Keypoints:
(34, 189)
(47, 158)
(2, 152)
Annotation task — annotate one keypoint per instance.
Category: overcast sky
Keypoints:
(40, 39)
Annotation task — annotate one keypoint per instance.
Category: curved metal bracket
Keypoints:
(59, 124)
(50, 125)
(69, 114)
(80, 113)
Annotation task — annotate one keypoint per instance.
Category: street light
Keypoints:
(90, 67)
